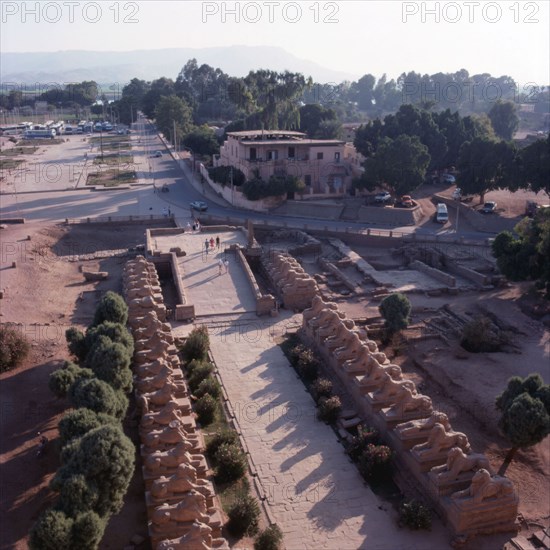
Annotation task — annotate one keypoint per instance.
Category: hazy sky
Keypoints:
(393, 36)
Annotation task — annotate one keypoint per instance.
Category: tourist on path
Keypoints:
(226, 263)
(218, 243)
(206, 245)
(212, 242)
(220, 264)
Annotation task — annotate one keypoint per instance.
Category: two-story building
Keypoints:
(322, 164)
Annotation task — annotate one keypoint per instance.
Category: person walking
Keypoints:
(218, 243)
(212, 242)
(188, 227)
(226, 264)
(206, 245)
(220, 265)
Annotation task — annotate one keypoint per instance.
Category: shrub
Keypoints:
(61, 380)
(196, 345)
(414, 515)
(231, 463)
(51, 532)
(244, 515)
(87, 532)
(228, 437)
(77, 495)
(307, 365)
(322, 387)
(200, 373)
(329, 408)
(111, 307)
(76, 341)
(110, 361)
(375, 461)
(206, 408)
(479, 335)
(79, 422)
(14, 347)
(294, 354)
(105, 458)
(269, 539)
(192, 365)
(365, 436)
(395, 309)
(98, 396)
(117, 332)
(209, 386)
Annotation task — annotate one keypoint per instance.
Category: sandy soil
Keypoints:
(44, 295)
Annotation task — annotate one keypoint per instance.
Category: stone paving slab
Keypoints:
(315, 493)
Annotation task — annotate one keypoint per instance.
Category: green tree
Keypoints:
(110, 362)
(173, 110)
(61, 380)
(14, 348)
(202, 141)
(52, 531)
(105, 458)
(162, 87)
(116, 332)
(504, 119)
(112, 308)
(98, 396)
(227, 175)
(535, 161)
(485, 165)
(79, 422)
(525, 408)
(87, 531)
(311, 117)
(400, 164)
(395, 309)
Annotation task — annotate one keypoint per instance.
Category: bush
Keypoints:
(415, 516)
(117, 332)
(329, 408)
(110, 361)
(307, 365)
(294, 354)
(206, 408)
(76, 341)
(200, 373)
(375, 462)
(365, 436)
(98, 396)
(51, 532)
(77, 495)
(105, 459)
(79, 422)
(111, 307)
(244, 515)
(480, 335)
(228, 437)
(61, 380)
(269, 539)
(196, 345)
(322, 387)
(395, 309)
(230, 463)
(87, 532)
(193, 364)
(14, 347)
(209, 386)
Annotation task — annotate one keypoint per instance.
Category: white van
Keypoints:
(442, 216)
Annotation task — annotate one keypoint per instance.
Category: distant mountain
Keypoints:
(120, 67)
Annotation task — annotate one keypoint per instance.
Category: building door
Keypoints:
(253, 153)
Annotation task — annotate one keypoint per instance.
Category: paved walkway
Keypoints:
(314, 492)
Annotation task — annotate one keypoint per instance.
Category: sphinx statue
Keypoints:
(485, 487)
(389, 387)
(439, 440)
(458, 462)
(199, 537)
(168, 413)
(191, 507)
(414, 427)
(170, 459)
(409, 400)
(173, 434)
(182, 481)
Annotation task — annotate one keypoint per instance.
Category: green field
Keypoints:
(112, 177)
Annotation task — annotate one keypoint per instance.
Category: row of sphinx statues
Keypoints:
(181, 504)
(295, 287)
(459, 482)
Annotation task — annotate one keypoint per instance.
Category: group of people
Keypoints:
(196, 226)
(209, 244)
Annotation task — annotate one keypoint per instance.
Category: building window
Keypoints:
(319, 156)
(291, 153)
(336, 157)
(307, 180)
(253, 153)
(272, 155)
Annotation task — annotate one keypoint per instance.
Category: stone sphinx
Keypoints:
(199, 537)
(485, 487)
(321, 319)
(317, 305)
(153, 383)
(160, 397)
(152, 341)
(330, 322)
(160, 461)
(415, 427)
(182, 481)
(341, 337)
(173, 434)
(191, 507)
(154, 368)
(409, 400)
(459, 462)
(439, 440)
(170, 412)
(351, 348)
(390, 387)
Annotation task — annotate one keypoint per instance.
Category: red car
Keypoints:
(407, 201)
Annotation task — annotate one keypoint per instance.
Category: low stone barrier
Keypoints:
(445, 278)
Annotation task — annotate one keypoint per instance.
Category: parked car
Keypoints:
(441, 215)
(382, 197)
(448, 178)
(201, 206)
(406, 201)
(457, 194)
(158, 154)
(489, 207)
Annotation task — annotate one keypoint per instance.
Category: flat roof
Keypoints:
(313, 142)
(254, 133)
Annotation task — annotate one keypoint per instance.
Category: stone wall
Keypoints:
(445, 278)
